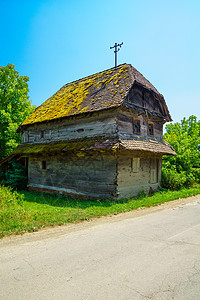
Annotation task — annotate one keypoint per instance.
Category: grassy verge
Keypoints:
(22, 212)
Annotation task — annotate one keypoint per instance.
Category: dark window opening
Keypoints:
(150, 129)
(44, 165)
(80, 130)
(42, 134)
(143, 95)
(136, 126)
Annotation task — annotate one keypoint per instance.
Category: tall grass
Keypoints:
(29, 211)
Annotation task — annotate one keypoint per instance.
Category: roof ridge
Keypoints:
(150, 84)
(89, 76)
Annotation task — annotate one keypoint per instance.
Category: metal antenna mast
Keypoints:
(117, 48)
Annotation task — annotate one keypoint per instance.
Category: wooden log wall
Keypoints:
(125, 119)
(103, 123)
(80, 173)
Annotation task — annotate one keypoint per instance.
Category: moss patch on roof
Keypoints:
(66, 146)
(92, 93)
(100, 91)
(97, 143)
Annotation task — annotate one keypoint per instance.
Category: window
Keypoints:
(26, 137)
(44, 165)
(42, 134)
(135, 164)
(150, 129)
(136, 126)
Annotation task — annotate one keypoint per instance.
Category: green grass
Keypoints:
(25, 211)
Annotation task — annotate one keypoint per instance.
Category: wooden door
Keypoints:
(153, 170)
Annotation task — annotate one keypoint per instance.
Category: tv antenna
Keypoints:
(117, 48)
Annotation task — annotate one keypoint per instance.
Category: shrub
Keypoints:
(173, 180)
(16, 176)
(184, 168)
(190, 179)
(9, 198)
(196, 173)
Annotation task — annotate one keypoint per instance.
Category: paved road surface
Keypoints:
(150, 256)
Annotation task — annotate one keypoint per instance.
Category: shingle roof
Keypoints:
(100, 143)
(147, 145)
(100, 91)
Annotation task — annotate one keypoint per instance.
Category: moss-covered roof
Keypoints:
(66, 146)
(96, 92)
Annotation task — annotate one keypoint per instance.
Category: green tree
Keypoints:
(15, 107)
(184, 168)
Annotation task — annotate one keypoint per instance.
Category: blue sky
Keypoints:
(58, 41)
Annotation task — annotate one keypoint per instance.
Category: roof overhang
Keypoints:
(100, 143)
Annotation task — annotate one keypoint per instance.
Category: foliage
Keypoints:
(28, 211)
(173, 180)
(184, 168)
(14, 107)
(12, 212)
(15, 176)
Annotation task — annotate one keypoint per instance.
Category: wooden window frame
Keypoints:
(152, 128)
(26, 137)
(135, 164)
(134, 121)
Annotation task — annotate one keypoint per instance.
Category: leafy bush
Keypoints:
(15, 176)
(196, 173)
(184, 168)
(173, 180)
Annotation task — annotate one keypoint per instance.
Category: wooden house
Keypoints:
(100, 136)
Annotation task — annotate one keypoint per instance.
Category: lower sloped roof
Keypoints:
(149, 145)
(143, 144)
(65, 146)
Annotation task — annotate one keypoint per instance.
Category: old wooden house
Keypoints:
(99, 136)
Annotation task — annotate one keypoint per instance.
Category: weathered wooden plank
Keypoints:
(125, 127)
(72, 132)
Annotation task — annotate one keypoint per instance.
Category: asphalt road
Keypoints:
(150, 255)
